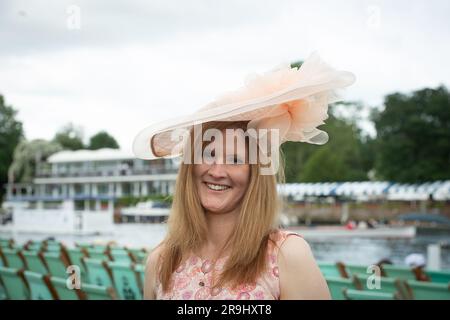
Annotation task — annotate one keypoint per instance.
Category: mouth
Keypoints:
(217, 187)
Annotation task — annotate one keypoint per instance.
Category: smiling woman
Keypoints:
(223, 239)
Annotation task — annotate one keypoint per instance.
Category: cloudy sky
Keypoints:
(122, 65)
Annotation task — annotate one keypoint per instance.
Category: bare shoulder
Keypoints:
(294, 248)
(300, 276)
(151, 271)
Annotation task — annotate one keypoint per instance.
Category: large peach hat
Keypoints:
(293, 100)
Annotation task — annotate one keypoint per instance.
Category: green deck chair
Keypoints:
(35, 246)
(438, 276)
(142, 257)
(332, 269)
(6, 243)
(95, 292)
(53, 247)
(98, 254)
(40, 286)
(3, 295)
(14, 284)
(351, 294)
(2, 261)
(337, 284)
(98, 272)
(140, 270)
(353, 269)
(126, 280)
(51, 242)
(13, 258)
(402, 273)
(120, 255)
(76, 256)
(83, 245)
(57, 264)
(135, 252)
(387, 285)
(35, 262)
(428, 291)
(63, 292)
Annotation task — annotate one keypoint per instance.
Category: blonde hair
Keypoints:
(258, 218)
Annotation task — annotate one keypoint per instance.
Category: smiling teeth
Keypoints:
(216, 187)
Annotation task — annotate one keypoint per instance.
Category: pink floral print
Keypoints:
(193, 279)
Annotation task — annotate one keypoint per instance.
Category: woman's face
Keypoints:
(221, 186)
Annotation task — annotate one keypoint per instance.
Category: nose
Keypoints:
(217, 170)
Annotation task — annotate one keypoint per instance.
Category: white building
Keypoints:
(87, 181)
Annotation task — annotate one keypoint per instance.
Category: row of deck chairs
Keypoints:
(47, 269)
(359, 282)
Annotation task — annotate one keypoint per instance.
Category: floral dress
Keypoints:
(193, 279)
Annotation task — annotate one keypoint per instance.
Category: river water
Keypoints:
(356, 250)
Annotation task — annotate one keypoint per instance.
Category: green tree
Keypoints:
(70, 137)
(347, 156)
(102, 140)
(340, 159)
(413, 136)
(11, 132)
(28, 155)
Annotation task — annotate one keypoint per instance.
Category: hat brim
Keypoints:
(156, 140)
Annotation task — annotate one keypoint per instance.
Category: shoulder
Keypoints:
(279, 237)
(293, 246)
(300, 276)
(293, 249)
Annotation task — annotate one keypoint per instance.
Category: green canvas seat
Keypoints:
(142, 257)
(103, 247)
(98, 253)
(140, 270)
(14, 284)
(35, 262)
(63, 292)
(40, 287)
(438, 276)
(3, 295)
(387, 285)
(135, 252)
(337, 284)
(120, 255)
(351, 294)
(83, 245)
(34, 246)
(53, 247)
(402, 273)
(331, 269)
(6, 243)
(126, 280)
(353, 269)
(95, 292)
(98, 272)
(421, 290)
(51, 242)
(76, 256)
(13, 258)
(57, 264)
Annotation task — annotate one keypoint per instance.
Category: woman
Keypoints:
(223, 241)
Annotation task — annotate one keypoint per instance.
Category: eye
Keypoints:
(234, 160)
(209, 156)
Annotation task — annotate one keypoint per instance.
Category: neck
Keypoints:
(220, 227)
